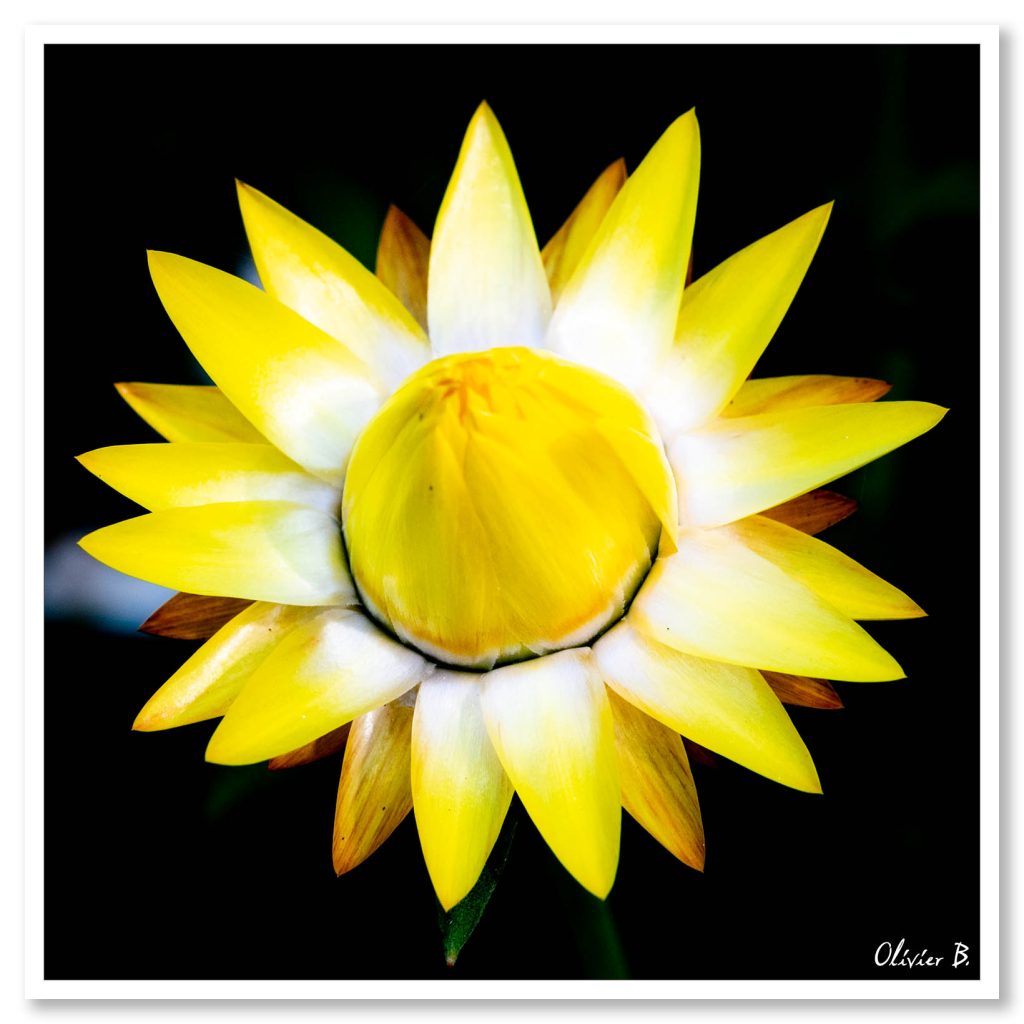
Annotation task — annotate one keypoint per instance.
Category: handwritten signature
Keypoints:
(898, 955)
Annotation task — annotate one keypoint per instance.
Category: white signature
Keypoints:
(898, 955)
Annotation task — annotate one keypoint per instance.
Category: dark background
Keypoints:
(161, 866)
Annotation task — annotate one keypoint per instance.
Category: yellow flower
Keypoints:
(517, 515)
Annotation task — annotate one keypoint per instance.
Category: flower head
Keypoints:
(503, 519)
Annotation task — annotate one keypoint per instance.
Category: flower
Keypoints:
(522, 521)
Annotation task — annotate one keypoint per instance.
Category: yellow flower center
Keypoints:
(504, 504)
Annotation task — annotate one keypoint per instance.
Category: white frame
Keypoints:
(904, 987)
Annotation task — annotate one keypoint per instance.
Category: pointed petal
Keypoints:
(561, 256)
(192, 616)
(837, 578)
(767, 394)
(718, 599)
(374, 793)
(304, 390)
(323, 746)
(736, 467)
(261, 550)
(618, 312)
(551, 725)
(160, 476)
(803, 691)
(726, 320)
(332, 669)
(460, 791)
(189, 412)
(316, 277)
(403, 254)
(727, 708)
(813, 512)
(657, 784)
(208, 683)
(486, 286)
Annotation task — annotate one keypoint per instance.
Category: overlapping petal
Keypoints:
(551, 725)
(460, 791)
(562, 254)
(303, 268)
(735, 467)
(161, 476)
(487, 286)
(618, 311)
(189, 412)
(262, 550)
(304, 390)
(374, 794)
(208, 683)
(814, 511)
(769, 394)
(726, 320)
(729, 709)
(836, 577)
(657, 784)
(335, 667)
(403, 256)
(717, 599)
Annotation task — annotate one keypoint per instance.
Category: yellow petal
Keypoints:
(300, 387)
(193, 616)
(208, 683)
(460, 791)
(657, 784)
(262, 550)
(813, 512)
(726, 320)
(803, 691)
(403, 254)
(486, 286)
(736, 467)
(717, 599)
(726, 708)
(160, 476)
(323, 746)
(618, 312)
(767, 394)
(334, 668)
(551, 725)
(374, 795)
(838, 579)
(189, 412)
(563, 253)
(316, 277)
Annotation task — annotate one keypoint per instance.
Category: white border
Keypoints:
(36, 987)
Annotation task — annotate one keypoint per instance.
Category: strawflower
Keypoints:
(505, 520)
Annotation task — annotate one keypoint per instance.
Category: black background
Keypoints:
(161, 866)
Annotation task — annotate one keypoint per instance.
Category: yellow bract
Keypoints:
(504, 503)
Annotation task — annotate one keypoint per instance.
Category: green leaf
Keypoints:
(460, 922)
